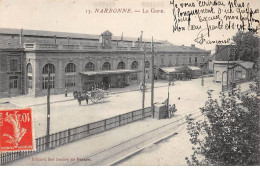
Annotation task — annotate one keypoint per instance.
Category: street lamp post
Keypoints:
(168, 96)
(48, 111)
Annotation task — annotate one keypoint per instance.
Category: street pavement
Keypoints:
(188, 96)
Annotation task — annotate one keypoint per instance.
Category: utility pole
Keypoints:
(202, 80)
(48, 111)
(143, 115)
(152, 85)
(228, 69)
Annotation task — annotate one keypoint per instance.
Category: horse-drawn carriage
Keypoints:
(95, 95)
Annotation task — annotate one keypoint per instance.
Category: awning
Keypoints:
(109, 72)
(170, 70)
(193, 68)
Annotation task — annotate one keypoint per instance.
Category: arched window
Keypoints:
(70, 75)
(29, 68)
(89, 66)
(71, 67)
(134, 65)
(29, 75)
(147, 64)
(121, 65)
(106, 66)
(218, 76)
(224, 77)
(48, 67)
(134, 76)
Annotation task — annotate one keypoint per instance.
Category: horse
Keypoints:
(81, 98)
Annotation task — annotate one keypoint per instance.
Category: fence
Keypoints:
(229, 86)
(70, 135)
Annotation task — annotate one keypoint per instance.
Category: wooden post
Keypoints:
(69, 132)
(59, 138)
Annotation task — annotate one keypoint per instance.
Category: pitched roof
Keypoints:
(85, 39)
(28, 32)
(173, 48)
(247, 65)
(107, 33)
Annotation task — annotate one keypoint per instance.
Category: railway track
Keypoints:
(124, 150)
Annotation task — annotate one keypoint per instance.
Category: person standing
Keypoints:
(66, 93)
(79, 98)
(87, 97)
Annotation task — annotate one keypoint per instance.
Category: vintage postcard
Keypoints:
(129, 83)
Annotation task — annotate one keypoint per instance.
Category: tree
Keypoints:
(247, 44)
(228, 133)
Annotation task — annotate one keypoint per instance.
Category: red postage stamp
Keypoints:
(16, 130)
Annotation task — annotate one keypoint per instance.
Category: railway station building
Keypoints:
(77, 61)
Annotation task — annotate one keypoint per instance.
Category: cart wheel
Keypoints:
(100, 96)
(94, 99)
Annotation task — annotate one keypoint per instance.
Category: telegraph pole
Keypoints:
(143, 115)
(152, 86)
(48, 111)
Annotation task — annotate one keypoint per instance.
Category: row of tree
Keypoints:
(229, 131)
(247, 44)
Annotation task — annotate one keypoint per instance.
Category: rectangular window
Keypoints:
(162, 61)
(177, 60)
(195, 59)
(189, 59)
(45, 82)
(70, 80)
(13, 82)
(13, 64)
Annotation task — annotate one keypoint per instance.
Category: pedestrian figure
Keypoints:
(179, 98)
(169, 111)
(87, 97)
(79, 100)
(66, 93)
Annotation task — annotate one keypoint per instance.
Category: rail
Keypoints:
(237, 82)
(39, 46)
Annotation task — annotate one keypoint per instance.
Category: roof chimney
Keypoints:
(55, 39)
(122, 37)
(21, 36)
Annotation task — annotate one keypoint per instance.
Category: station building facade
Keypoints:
(228, 68)
(77, 61)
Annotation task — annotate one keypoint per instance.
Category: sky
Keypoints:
(71, 16)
